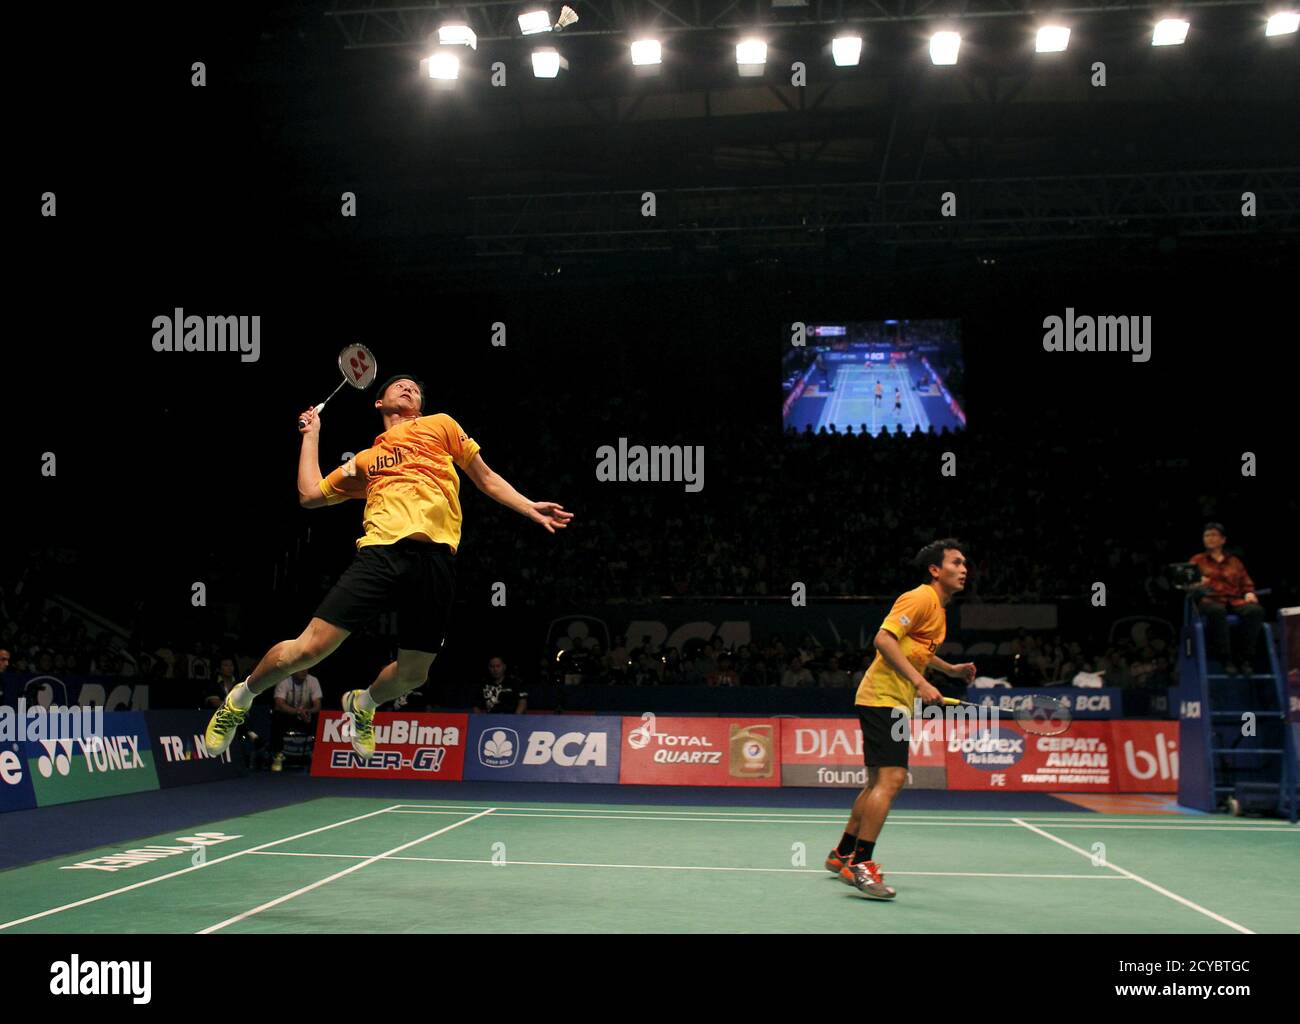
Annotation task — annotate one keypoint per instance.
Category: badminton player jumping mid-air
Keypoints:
(404, 560)
(905, 646)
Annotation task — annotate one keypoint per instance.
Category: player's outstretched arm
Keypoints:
(309, 494)
(550, 515)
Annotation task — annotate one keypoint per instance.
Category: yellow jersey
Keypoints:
(408, 478)
(918, 621)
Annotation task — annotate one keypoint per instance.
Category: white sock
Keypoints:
(242, 697)
(366, 702)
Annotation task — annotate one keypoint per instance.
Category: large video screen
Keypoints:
(873, 377)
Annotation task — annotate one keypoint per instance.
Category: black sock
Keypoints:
(863, 851)
(847, 844)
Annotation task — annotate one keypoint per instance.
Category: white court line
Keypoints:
(337, 875)
(759, 819)
(685, 867)
(833, 814)
(756, 820)
(195, 867)
(1138, 878)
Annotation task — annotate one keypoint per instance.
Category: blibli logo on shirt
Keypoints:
(385, 462)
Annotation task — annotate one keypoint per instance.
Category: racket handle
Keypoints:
(303, 423)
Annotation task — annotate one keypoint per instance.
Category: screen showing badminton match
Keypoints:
(873, 377)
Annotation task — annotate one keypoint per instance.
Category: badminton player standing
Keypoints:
(404, 560)
(905, 646)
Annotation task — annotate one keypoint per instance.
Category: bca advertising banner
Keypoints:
(543, 748)
(120, 761)
(109, 693)
(827, 752)
(407, 746)
(1081, 760)
(699, 751)
(1081, 702)
(180, 757)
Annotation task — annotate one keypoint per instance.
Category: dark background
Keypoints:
(224, 200)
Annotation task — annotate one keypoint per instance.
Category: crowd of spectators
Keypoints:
(1034, 659)
(842, 514)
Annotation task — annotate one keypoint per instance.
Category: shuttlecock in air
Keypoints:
(567, 17)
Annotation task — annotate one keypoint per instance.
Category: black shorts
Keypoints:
(879, 747)
(415, 579)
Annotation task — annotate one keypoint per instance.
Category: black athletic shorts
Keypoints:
(415, 579)
(879, 747)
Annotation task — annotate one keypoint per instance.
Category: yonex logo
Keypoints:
(498, 748)
(57, 758)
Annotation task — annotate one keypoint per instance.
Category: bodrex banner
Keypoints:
(544, 748)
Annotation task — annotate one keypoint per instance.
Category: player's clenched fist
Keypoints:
(309, 421)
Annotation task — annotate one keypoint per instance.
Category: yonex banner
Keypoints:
(120, 761)
(15, 779)
(180, 757)
(407, 746)
(699, 751)
(543, 748)
(827, 752)
(1080, 701)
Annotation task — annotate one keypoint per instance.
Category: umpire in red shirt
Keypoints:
(1228, 588)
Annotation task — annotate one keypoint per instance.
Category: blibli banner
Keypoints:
(120, 761)
(543, 748)
(827, 753)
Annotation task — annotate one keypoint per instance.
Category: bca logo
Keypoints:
(498, 748)
(57, 758)
(572, 750)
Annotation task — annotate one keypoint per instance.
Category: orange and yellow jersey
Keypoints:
(918, 621)
(408, 478)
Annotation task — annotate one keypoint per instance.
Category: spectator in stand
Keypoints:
(1227, 589)
(833, 675)
(297, 702)
(223, 684)
(503, 694)
(4, 660)
(796, 674)
(197, 666)
(725, 675)
(619, 663)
